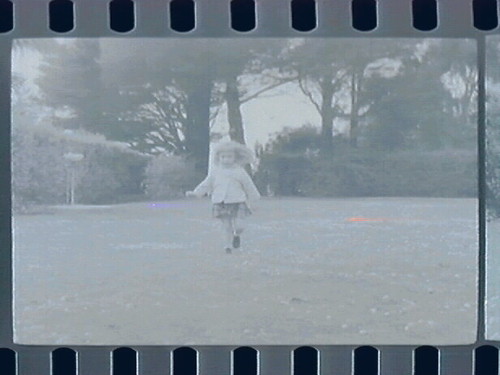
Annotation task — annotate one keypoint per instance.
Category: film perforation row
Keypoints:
(425, 16)
(306, 360)
(6, 16)
(485, 13)
(181, 15)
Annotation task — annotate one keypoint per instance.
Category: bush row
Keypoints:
(111, 173)
(451, 173)
(43, 170)
(108, 172)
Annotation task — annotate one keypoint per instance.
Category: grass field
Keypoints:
(493, 280)
(310, 271)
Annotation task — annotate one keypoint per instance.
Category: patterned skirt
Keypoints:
(230, 210)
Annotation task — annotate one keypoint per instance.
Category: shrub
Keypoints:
(38, 172)
(169, 176)
(345, 174)
(108, 173)
(282, 174)
(444, 173)
(451, 173)
(293, 164)
(111, 175)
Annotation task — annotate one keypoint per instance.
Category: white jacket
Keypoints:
(228, 185)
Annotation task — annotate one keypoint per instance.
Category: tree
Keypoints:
(249, 60)
(455, 61)
(453, 64)
(70, 83)
(161, 121)
(162, 98)
(416, 107)
(174, 98)
(335, 82)
(320, 79)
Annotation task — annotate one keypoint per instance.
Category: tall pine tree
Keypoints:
(71, 84)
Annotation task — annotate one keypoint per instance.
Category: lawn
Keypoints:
(310, 271)
(493, 280)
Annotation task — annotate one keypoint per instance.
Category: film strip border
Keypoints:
(224, 18)
(248, 17)
(365, 360)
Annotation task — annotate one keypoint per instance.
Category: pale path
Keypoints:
(307, 274)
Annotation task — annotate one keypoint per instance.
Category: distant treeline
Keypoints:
(293, 165)
(396, 117)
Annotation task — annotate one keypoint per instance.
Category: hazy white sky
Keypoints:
(285, 106)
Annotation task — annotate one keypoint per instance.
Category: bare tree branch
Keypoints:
(309, 95)
(267, 88)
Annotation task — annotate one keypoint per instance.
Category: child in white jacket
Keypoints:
(230, 188)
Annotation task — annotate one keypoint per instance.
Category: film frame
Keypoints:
(91, 19)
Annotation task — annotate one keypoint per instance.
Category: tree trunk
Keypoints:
(198, 129)
(326, 115)
(354, 116)
(234, 118)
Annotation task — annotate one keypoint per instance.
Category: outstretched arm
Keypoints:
(204, 188)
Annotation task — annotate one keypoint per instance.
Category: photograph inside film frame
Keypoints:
(492, 170)
(246, 192)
